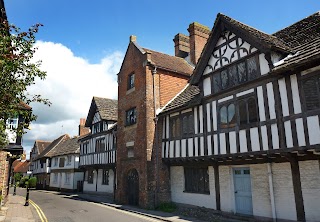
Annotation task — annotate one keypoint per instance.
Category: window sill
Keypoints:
(205, 193)
(130, 90)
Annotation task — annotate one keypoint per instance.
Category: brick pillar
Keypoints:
(198, 36)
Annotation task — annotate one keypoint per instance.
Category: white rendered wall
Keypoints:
(177, 188)
(310, 183)
(105, 188)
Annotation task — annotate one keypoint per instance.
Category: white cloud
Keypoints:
(70, 84)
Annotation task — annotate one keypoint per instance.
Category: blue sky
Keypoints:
(93, 29)
(82, 44)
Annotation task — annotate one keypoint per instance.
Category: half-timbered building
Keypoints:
(244, 135)
(98, 148)
(38, 147)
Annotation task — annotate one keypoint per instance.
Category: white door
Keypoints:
(242, 190)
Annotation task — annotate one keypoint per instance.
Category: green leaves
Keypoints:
(17, 72)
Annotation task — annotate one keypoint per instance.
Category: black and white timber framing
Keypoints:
(258, 104)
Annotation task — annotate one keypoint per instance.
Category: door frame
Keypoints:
(232, 188)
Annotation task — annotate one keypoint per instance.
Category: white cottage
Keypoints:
(244, 136)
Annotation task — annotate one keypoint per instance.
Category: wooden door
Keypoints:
(242, 190)
(133, 187)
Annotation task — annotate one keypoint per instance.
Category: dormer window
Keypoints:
(130, 81)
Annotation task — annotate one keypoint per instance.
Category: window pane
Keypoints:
(252, 68)
(224, 79)
(191, 125)
(178, 128)
(243, 112)
(223, 117)
(185, 124)
(242, 72)
(233, 77)
(232, 115)
(252, 108)
(311, 94)
(216, 82)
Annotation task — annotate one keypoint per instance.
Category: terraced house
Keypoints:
(244, 135)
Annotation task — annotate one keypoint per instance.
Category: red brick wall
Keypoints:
(4, 172)
(170, 85)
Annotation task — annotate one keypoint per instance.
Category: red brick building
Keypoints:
(147, 81)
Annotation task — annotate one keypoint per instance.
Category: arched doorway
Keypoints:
(133, 187)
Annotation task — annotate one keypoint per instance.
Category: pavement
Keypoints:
(15, 211)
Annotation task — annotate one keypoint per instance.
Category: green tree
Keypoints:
(32, 182)
(18, 71)
(17, 177)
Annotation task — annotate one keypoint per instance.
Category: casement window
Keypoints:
(90, 176)
(130, 84)
(67, 178)
(61, 162)
(187, 124)
(228, 116)
(235, 74)
(69, 160)
(55, 163)
(12, 123)
(196, 180)
(131, 116)
(175, 127)
(100, 145)
(105, 177)
(248, 112)
(311, 91)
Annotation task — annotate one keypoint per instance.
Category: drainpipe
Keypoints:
(154, 72)
(273, 204)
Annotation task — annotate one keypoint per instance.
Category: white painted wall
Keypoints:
(97, 183)
(310, 183)
(177, 188)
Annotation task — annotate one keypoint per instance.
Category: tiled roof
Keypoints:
(301, 32)
(108, 108)
(24, 106)
(189, 96)
(259, 36)
(171, 63)
(304, 38)
(41, 145)
(47, 151)
(68, 146)
(22, 167)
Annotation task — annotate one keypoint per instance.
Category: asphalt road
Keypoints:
(64, 208)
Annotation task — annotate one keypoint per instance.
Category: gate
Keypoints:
(242, 190)
(133, 187)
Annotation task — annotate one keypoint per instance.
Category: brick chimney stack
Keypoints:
(181, 45)
(198, 36)
(82, 129)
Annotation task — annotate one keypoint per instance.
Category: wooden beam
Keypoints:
(217, 185)
(296, 181)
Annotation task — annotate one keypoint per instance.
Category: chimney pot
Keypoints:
(133, 38)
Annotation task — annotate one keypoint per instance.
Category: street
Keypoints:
(65, 208)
